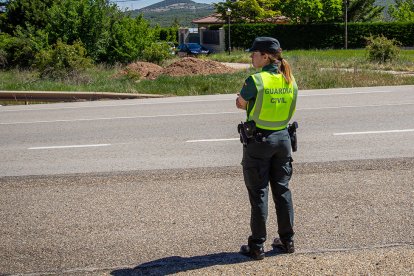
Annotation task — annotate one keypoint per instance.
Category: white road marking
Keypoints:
(188, 114)
(352, 106)
(115, 105)
(346, 93)
(190, 101)
(69, 146)
(374, 132)
(118, 118)
(336, 134)
(212, 140)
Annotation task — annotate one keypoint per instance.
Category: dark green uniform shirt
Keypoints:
(249, 90)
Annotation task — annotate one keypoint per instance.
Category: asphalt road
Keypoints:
(139, 187)
(170, 133)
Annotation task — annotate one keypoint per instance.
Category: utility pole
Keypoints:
(228, 13)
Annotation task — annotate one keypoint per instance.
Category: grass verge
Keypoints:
(309, 68)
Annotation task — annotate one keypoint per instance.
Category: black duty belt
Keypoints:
(250, 133)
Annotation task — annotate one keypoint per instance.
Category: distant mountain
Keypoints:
(168, 5)
(164, 13)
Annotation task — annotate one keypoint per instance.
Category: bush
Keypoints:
(157, 52)
(20, 50)
(62, 61)
(3, 59)
(168, 34)
(321, 36)
(381, 49)
(128, 38)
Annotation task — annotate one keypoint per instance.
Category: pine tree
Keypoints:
(364, 11)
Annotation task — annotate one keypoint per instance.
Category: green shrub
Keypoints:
(3, 59)
(157, 52)
(62, 61)
(5, 41)
(20, 49)
(381, 49)
(131, 74)
(168, 34)
(128, 38)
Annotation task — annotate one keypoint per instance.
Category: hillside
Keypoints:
(164, 13)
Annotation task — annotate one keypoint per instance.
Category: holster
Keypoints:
(246, 130)
(292, 133)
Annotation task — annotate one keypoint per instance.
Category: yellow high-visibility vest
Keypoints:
(275, 101)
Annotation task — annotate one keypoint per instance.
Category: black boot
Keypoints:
(256, 254)
(285, 246)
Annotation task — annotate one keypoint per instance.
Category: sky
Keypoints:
(138, 4)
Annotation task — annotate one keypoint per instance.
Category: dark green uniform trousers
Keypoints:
(265, 162)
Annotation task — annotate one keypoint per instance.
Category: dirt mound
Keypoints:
(183, 67)
(194, 66)
(145, 70)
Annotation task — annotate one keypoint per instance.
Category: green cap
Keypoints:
(265, 44)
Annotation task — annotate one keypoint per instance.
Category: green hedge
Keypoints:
(321, 36)
(169, 34)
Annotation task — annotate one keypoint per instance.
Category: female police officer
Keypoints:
(269, 97)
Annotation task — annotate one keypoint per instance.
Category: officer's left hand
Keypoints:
(240, 102)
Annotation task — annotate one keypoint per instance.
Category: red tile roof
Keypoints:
(215, 18)
(209, 19)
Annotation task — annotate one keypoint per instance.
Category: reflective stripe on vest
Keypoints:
(275, 102)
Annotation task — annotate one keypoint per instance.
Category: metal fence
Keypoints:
(211, 37)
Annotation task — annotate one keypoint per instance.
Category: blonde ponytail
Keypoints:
(283, 66)
(286, 70)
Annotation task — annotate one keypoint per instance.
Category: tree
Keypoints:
(107, 34)
(312, 11)
(322, 11)
(175, 23)
(364, 11)
(331, 10)
(25, 13)
(248, 10)
(84, 20)
(299, 11)
(128, 38)
(303, 11)
(3, 4)
(403, 10)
